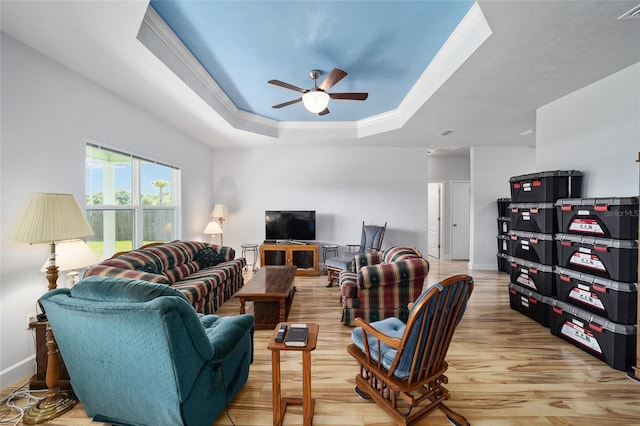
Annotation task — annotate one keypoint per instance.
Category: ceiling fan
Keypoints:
(316, 99)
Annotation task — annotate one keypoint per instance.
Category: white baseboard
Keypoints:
(15, 372)
(483, 266)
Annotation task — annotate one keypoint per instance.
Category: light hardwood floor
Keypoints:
(505, 369)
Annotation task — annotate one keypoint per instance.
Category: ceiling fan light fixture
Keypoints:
(315, 101)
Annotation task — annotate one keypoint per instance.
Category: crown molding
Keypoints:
(159, 39)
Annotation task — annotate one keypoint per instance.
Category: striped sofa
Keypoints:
(208, 275)
(384, 284)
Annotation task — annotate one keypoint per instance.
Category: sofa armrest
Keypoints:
(225, 251)
(224, 333)
(112, 271)
(348, 288)
(367, 259)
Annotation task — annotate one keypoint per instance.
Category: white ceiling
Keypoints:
(537, 52)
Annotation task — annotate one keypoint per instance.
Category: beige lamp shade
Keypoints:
(72, 255)
(49, 217)
(213, 228)
(219, 211)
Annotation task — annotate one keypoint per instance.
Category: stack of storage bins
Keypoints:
(532, 248)
(504, 226)
(597, 267)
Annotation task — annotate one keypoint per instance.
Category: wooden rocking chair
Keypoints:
(402, 366)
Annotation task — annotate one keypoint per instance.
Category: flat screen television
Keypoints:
(299, 225)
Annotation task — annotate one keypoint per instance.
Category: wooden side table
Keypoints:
(280, 403)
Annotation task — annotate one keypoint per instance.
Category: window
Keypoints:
(131, 201)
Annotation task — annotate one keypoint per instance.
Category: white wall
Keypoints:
(596, 130)
(445, 169)
(345, 186)
(48, 112)
(491, 168)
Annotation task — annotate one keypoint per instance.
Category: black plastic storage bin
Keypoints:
(604, 257)
(533, 246)
(544, 187)
(504, 241)
(608, 341)
(503, 204)
(530, 303)
(613, 300)
(599, 217)
(504, 225)
(535, 276)
(503, 263)
(533, 217)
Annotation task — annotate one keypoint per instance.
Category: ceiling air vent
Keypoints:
(444, 132)
(632, 14)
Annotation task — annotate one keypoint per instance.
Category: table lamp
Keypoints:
(49, 218)
(213, 229)
(220, 213)
(72, 255)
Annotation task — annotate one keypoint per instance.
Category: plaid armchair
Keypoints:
(383, 285)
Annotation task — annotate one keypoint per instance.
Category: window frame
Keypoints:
(136, 205)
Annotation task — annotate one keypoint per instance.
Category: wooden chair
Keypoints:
(402, 366)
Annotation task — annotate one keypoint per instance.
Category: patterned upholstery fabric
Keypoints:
(382, 289)
(177, 265)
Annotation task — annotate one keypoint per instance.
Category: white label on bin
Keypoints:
(525, 279)
(580, 335)
(525, 216)
(590, 226)
(587, 260)
(505, 228)
(526, 186)
(587, 297)
(524, 246)
(524, 301)
(583, 212)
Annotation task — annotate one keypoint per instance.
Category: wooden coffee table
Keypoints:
(271, 290)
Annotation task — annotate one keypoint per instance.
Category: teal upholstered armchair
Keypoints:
(137, 353)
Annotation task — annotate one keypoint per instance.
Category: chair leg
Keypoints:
(364, 386)
(455, 418)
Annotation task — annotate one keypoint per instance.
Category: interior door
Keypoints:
(434, 219)
(460, 204)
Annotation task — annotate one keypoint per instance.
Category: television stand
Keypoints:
(302, 255)
(302, 243)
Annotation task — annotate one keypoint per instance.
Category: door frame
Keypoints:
(451, 207)
(441, 189)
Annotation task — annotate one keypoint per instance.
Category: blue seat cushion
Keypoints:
(392, 327)
(344, 262)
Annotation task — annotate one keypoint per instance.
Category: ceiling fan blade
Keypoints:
(324, 111)
(354, 96)
(284, 104)
(334, 76)
(288, 86)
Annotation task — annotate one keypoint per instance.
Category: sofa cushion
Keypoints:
(182, 271)
(121, 289)
(135, 259)
(150, 267)
(105, 270)
(209, 257)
